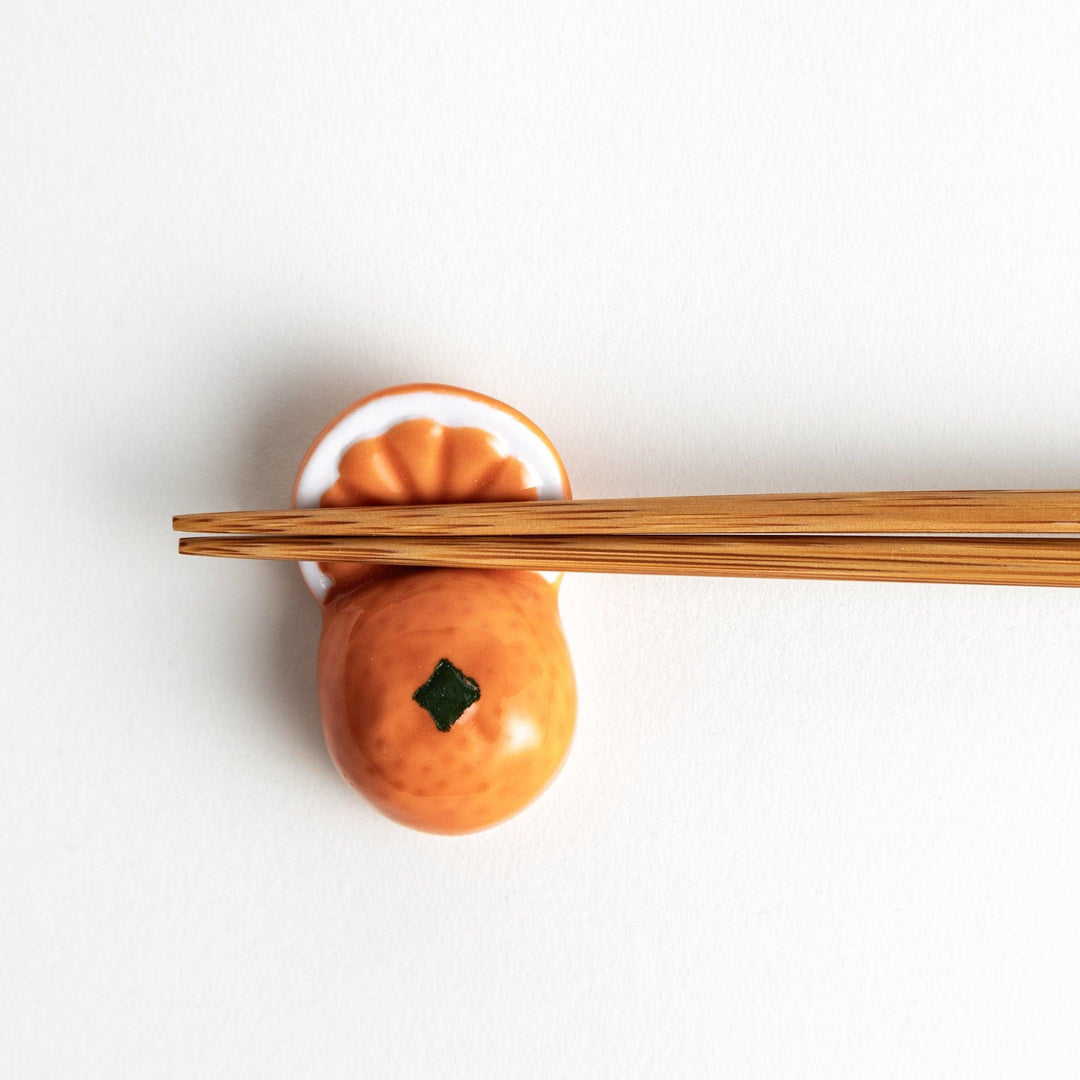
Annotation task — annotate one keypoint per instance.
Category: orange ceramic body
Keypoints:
(447, 696)
(383, 640)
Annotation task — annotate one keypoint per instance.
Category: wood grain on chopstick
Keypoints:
(868, 512)
(999, 561)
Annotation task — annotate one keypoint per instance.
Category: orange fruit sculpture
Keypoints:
(447, 695)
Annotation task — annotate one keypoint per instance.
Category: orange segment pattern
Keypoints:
(421, 461)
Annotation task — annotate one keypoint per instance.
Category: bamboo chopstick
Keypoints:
(983, 561)
(886, 512)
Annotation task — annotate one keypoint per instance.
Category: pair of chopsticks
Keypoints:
(965, 537)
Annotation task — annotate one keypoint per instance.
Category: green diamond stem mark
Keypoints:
(447, 694)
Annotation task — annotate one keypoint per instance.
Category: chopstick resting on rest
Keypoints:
(838, 537)
(854, 512)
(957, 560)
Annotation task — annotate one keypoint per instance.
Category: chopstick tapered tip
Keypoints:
(196, 545)
(193, 523)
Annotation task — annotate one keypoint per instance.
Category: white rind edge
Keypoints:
(375, 417)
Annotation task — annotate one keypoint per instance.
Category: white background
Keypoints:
(821, 830)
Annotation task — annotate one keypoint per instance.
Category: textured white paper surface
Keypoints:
(813, 830)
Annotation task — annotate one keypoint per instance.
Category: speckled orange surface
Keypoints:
(381, 641)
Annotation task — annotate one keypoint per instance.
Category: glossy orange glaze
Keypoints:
(381, 641)
(385, 630)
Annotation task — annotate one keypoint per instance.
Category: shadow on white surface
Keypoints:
(291, 399)
(728, 456)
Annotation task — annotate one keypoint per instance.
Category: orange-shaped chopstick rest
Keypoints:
(447, 695)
